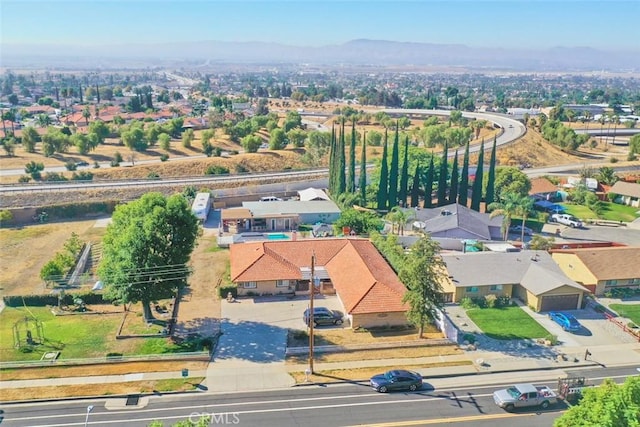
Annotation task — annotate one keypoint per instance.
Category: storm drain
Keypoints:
(132, 400)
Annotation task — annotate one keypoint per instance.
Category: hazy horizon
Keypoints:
(516, 24)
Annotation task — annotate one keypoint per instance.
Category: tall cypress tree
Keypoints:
(415, 188)
(383, 186)
(428, 185)
(342, 178)
(476, 195)
(453, 188)
(363, 171)
(394, 170)
(442, 177)
(351, 177)
(490, 192)
(333, 166)
(463, 190)
(80, 92)
(404, 175)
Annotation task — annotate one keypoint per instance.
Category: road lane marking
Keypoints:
(445, 420)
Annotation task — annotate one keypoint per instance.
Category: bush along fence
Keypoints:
(53, 300)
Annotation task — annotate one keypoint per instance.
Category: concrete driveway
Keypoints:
(250, 352)
(596, 329)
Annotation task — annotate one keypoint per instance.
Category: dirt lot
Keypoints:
(25, 250)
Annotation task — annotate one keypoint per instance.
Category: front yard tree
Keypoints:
(609, 405)
(511, 180)
(421, 273)
(146, 248)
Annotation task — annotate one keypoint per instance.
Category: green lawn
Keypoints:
(77, 336)
(631, 311)
(610, 211)
(507, 323)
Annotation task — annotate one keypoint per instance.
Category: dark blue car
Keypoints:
(397, 379)
(566, 320)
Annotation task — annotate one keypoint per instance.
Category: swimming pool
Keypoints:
(277, 236)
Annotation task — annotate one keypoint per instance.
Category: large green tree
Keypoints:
(342, 162)
(609, 405)
(508, 206)
(421, 272)
(415, 187)
(146, 249)
(511, 180)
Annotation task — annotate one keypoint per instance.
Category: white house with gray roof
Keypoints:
(531, 276)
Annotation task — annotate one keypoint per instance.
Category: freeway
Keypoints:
(453, 400)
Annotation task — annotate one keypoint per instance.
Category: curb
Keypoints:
(465, 374)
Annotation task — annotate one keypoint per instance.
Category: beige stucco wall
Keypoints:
(266, 287)
(601, 286)
(376, 320)
(536, 301)
(461, 292)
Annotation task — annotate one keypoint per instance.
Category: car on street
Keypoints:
(322, 316)
(517, 229)
(566, 320)
(397, 379)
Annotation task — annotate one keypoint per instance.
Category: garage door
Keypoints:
(559, 302)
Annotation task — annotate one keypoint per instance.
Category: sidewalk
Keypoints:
(239, 375)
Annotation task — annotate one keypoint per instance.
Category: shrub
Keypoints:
(164, 157)
(470, 338)
(5, 217)
(613, 160)
(467, 303)
(223, 291)
(553, 339)
(52, 300)
(503, 301)
(216, 170)
(490, 300)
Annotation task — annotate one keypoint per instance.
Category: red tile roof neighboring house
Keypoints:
(40, 109)
(542, 186)
(362, 278)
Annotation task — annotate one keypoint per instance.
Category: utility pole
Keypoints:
(312, 287)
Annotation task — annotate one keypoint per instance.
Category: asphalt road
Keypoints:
(331, 405)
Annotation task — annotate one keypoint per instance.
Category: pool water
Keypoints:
(277, 236)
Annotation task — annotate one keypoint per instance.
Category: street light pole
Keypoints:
(86, 419)
(313, 290)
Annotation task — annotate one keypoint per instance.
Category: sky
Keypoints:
(538, 24)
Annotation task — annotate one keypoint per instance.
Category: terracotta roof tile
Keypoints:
(541, 186)
(361, 276)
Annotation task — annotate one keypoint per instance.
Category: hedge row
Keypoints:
(75, 209)
(44, 300)
(224, 291)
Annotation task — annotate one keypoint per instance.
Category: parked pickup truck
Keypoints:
(566, 219)
(524, 396)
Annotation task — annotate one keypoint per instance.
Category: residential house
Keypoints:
(531, 276)
(601, 269)
(368, 289)
(543, 189)
(457, 222)
(311, 193)
(281, 215)
(628, 192)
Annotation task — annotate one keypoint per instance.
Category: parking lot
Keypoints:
(255, 329)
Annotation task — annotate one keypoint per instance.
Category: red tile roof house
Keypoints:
(368, 289)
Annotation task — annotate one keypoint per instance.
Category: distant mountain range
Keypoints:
(356, 52)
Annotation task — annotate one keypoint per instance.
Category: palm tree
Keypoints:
(616, 122)
(399, 216)
(507, 207)
(524, 209)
